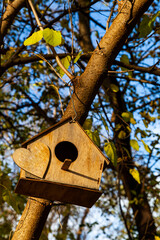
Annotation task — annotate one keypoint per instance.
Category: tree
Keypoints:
(114, 84)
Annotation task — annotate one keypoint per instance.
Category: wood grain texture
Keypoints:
(86, 170)
(57, 192)
(34, 160)
(66, 164)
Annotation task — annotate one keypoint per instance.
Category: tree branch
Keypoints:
(39, 110)
(11, 12)
(152, 70)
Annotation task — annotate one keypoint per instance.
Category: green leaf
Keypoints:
(87, 124)
(146, 146)
(114, 87)
(10, 199)
(104, 123)
(52, 37)
(66, 62)
(134, 144)
(124, 58)
(153, 19)
(94, 136)
(110, 150)
(144, 27)
(78, 56)
(34, 38)
(135, 174)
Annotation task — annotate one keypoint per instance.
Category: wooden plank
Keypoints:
(46, 131)
(66, 164)
(58, 192)
(34, 160)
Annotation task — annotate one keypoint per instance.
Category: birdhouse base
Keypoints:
(54, 191)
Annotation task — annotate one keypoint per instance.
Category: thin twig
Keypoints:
(30, 16)
(44, 59)
(10, 79)
(130, 70)
(100, 101)
(139, 80)
(72, 52)
(111, 13)
(61, 105)
(35, 15)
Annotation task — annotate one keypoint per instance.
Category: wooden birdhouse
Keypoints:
(61, 164)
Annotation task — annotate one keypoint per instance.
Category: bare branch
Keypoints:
(111, 13)
(152, 70)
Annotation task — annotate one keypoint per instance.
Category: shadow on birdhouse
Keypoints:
(61, 164)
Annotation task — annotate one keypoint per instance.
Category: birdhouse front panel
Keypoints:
(70, 142)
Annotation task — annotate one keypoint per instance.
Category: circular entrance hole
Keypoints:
(66, 150)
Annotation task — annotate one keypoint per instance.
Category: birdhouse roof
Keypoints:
(58, 125)
(46, 131)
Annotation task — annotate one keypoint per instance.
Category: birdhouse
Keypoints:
(61, 164)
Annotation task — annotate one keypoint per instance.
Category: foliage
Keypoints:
(135, 174)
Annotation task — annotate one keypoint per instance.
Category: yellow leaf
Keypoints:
(132, 120)
(134, 144)
(156, 238)
(66, 62)
(126, 116)
(114, 88)
(34, 38)
(122, 135)
(135, 174)
(146, 146)
(52, 37)
(110, 150)
(78, 56)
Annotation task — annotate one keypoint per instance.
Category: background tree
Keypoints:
(115, 85)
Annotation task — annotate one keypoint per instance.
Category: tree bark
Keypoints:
(84, 27)
(32, 220)
(8, 17)
(85, 89)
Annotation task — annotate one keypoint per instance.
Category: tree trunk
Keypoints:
(32, 220)
(142, 213)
